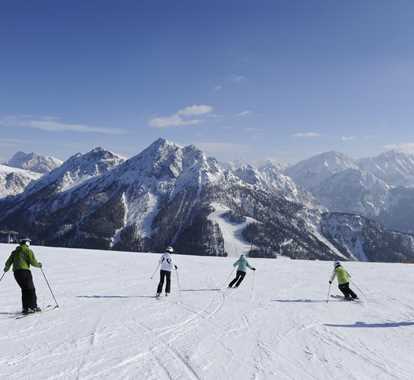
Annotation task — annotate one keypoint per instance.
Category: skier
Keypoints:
(166, 264)
(343, 281)
(242, 265)
(21, 259)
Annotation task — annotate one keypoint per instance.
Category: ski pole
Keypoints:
(47, 282)
(228, 277)
(155, 271)
(178, 279)
(1, 278)
(253, 285)
(329, 293)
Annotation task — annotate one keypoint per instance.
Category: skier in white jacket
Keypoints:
(166, 264)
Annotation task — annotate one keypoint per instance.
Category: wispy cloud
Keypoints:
(183, 117)
(218, 88)
(347, 138)
(407, 147)
(306, 135)
(54, 124)
(244, 113)
(236, 78)
(253, 129)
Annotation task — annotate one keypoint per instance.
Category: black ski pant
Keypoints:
(238, 279)
(347, 291)
(164, 274)
(25, 280)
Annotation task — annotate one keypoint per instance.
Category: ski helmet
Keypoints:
(169, 249)
(337, 264)
(25, 240)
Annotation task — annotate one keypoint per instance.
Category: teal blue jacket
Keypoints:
(242, 264)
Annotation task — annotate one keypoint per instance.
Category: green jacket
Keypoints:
(242, 264)
(342, 275)
(21, 258)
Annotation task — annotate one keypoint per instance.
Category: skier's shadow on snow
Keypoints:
(304, 300)
(201, 290)
(98, 296)
(372, 325)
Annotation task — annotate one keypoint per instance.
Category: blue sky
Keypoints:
(241, 79)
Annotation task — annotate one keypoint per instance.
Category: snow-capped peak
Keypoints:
(394, 167)
(313, 171)
(34, 162)
(77, 169)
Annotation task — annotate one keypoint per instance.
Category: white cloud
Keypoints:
(171, 121)
(53, 124)
(253, 129)
(237, 78)
(218, 88)
(182, 117)
(407, 147)
(347, 138)
(306, 135)
(244, 113)
(196, 109)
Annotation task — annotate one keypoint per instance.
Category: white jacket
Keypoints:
(166, 262)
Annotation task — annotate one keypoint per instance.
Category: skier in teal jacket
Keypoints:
(242, 265)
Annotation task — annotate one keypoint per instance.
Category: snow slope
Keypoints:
(14, 181)
(234, 243)
(277, 325)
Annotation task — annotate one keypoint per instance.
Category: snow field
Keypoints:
(277, 325)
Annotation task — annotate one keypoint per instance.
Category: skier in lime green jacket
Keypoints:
(343, 281)
(21, 259)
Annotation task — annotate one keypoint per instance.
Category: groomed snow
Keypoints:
(277, 325)
(234, 243)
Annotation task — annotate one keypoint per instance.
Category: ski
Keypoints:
(46, 309)
(337, 296)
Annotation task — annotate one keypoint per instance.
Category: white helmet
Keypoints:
(25, 240)
(169, 249)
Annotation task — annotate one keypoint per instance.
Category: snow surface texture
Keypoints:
(34, 162)
(14, 181)
(277, 325)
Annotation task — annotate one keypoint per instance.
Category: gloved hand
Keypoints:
(330, 282)
(5, 269)
(175, 266)
(253, 268)
(40, 265)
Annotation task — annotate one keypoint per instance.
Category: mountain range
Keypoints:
(169, 194)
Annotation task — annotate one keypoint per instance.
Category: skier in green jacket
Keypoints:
(343, 281)
(242, 265)
(21, 259)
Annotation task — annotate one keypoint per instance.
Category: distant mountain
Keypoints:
(310, 173)
(398, 212)
(363, 239)
(168, 195)
(393, 167)
(76, 170)
(270, 177)
(14, 181)
(354, 191)
(34, 162)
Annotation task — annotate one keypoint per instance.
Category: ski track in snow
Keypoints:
(277, 325)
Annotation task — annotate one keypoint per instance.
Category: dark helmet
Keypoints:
(337, 264)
